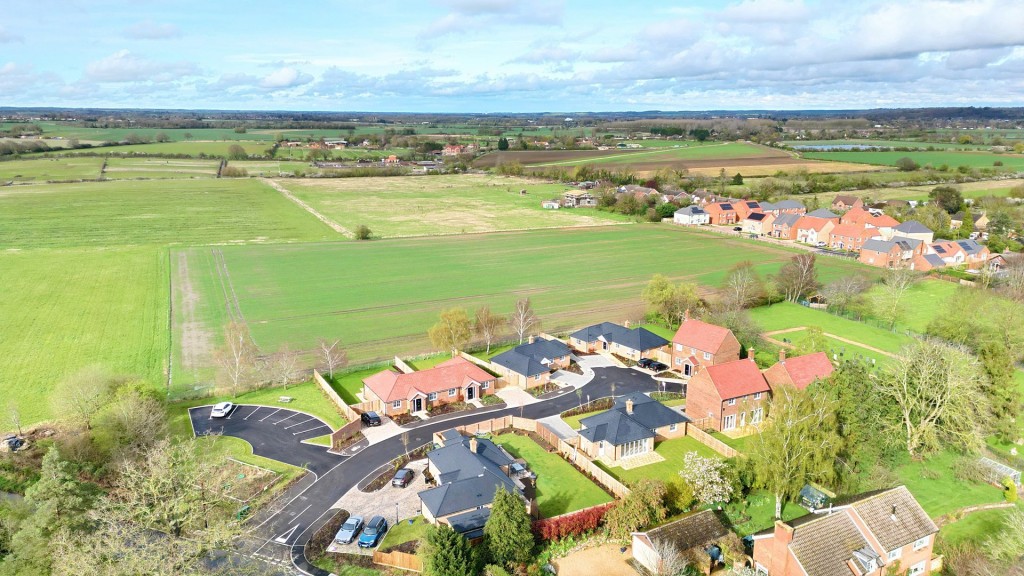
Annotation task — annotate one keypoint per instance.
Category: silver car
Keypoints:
(349, 530)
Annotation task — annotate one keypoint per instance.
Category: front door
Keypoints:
(417, 405)
(470, 393)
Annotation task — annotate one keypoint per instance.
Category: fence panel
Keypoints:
(343, 408)
(710, 441)
(400, 560)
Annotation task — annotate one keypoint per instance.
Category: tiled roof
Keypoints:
(824, 545)
(812, 223)
(532, 359)
(788, 205)
(640, 339)
(800, 371)
(787, 220)
(648, 411)
(823, 213)
(698, 530)
(693, 333)
(737, 378)
(690, 211)
(614, 427)
(895, 517)
(465, 494)
(455, 373)
(913, 227)
(853, 230)
(467, 479)
(883, 221)
(844, 198)
(768, 206)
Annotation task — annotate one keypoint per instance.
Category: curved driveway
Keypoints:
(306, 505)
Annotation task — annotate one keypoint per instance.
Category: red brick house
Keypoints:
(812, 230)
(879, 533)
(850, 236)
(744, 208)
(799, 371)
(722, 213)
(727, 396)
(856, 215)
(846, 202)
(894, 253)
(955, 253)
(453, 150)
(698, 343)
(784, 226)
(455, 380)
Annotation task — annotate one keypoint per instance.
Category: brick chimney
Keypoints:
(750, 354)
(782, 355)
(686, 315)
(473, 445)
(626, 323)
(629, 406)
(780, 553)
(533, 339)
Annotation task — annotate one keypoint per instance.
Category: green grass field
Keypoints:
(788, 315)
(939, 492)
(129, 168)
(923, 302)
(380, 297)
(686, 151)
(64, 310)
(152, 212)
(217, 149)
(887, 144)
(937, 158)
(840, 350)
(975, 527)
(417, 205)
(560, 487)
(42, 170)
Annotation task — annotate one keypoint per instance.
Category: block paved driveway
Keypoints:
(275, 433)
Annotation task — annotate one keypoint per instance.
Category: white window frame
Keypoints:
(432, 396)
(672, 427)
(452, 392)
(726, 422)
(916, 569)
(760, 569)
(756, 415)
(707, 355)
(679, 361)
(693, 351)
(922, 543)
(757, 395)
(731, 401)
(485, 385)
(679, 347)
(895, 554)
(396, 404)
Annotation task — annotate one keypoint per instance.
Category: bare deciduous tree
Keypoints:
(843, 292)
(523, 319)
(237, 359)
(487, 325)
(888, 301)
(284, 366)
(81, 395)
(671, 562)
(798, 277)
(743, 287)
(14, 415)
(332, 355)
(937, 388)
(1013, 282)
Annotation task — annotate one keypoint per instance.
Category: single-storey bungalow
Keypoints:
(630, 428)
(632, 343)
(530, 365)
(695, 535)
(455, 380)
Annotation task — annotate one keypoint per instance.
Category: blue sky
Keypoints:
(511, 55)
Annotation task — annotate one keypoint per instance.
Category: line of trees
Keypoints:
(454, 329)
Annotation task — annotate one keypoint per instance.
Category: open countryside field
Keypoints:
(64, 310)
(951, 159)
(152, 212)
(380, 297)
(42, 170)
(418, 205)
(217, 149)
(132, 168)
(973, 190)
(887, 144)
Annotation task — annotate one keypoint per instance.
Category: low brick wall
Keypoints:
(710, 441)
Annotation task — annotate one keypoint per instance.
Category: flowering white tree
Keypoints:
(706, 476)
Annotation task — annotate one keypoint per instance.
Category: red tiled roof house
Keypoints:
(799, 371)
(698, 343)
(722, 213)
(455, 380)
(727, 396)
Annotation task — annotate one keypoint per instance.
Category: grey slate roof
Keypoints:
(690, 211)
(613, 427)
(470, 524)
(971, 247)
(529, 359)
(636, 338)
(877, 245)
(456, 461)
(788, 205)
(467, 479)
(465, 494)
(913, 227)
(768, 206)
(935, 260)
(823, 213)
(787, 220)
(649, 412)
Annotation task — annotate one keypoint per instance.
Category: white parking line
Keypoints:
(317, 427)
(269, 415)
(253, 412)
(299, 423)
(285, 418)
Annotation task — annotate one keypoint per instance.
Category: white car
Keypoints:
(221, 410)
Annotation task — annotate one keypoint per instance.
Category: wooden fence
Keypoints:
(397, 559)
(342, 435)
(710, 441)
(402, 366)
(343, 408)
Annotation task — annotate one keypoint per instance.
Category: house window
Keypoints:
(537, 377)
(757, 395)
(452, 392)
(916, 569)
(432, 396)
(730, 422)
(693, 350)
(679, 347)
(672, 427)
(895, 554)
(921, 543)
(396, 404)
(761, 570)
(707, 355)
(756, 416)
(485, 385)
(679, 361)
(731, 402)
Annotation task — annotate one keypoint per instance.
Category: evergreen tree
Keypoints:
(502, 143)
(507, 532)
(447, 553)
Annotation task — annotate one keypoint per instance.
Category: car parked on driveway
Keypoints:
(370, 418)
(221, 410)
(657, 366)
(373, 532)
(402, 478)
(349, 530)
(644, 362)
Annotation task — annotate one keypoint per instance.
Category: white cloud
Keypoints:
(150, 30)
(123, 66)
(285, 78)
(482, 16)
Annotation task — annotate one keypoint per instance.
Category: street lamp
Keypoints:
(396, 513)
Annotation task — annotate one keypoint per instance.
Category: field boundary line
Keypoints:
(331, 223)
(170, 320)
(768, 336)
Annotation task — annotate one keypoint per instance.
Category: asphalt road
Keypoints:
(305, 506)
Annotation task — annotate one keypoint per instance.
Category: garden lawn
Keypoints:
(417, 205)
(152, 212)
(296, 293)
(349, 384)
(742, 444)
(667, 470)
(757, 513)
(63, 310)
(939, 492)
(788, 315)
(574, 421)
(42, 170)
(839, 349)
(560, 487)
(924, 301)
(405, 532)
(976, 527)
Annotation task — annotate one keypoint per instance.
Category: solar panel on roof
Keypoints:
(940, 249)
(965, 245)
(726, 206)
